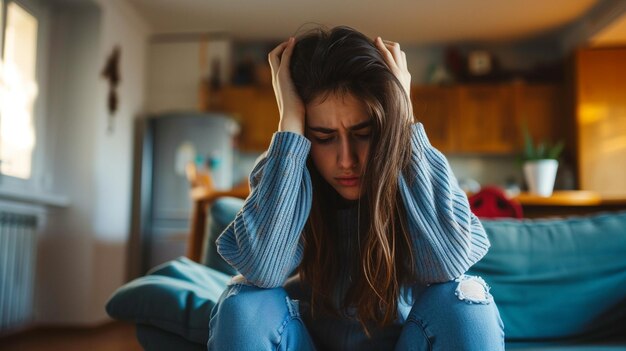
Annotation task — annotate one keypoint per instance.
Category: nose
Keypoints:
(346, 156)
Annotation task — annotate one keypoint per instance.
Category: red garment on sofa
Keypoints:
(491, 202)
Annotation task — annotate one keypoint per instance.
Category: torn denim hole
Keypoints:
(293, 306)
(472, 289)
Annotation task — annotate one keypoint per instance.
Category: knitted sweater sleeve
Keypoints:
(447, 237)
(263, 242)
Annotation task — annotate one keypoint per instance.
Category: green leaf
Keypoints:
(555, 150)
(541, 151)
(529, 153)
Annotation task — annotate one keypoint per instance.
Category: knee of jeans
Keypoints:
(460, 299)
(249, 317)
(248, 301)
(463, 309)
(472, 289)
(466, 288)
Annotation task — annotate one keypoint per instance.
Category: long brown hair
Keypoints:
(344, 61)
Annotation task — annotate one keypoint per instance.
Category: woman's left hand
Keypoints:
(396, 60)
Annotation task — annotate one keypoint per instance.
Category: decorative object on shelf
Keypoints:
(439, 74)
(454, 63)
(540, 164)
(213, 84)
(482, 66)
(111, 72)
(479, 63)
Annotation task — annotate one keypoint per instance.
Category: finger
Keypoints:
(386, 53)
(274, 56)
(286, 56)
(394, 48)
(403, 61)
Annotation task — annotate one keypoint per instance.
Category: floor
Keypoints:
(115, 336)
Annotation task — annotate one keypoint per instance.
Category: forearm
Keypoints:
(262, 243)
(448, 238)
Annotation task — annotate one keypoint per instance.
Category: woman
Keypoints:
(352, 197)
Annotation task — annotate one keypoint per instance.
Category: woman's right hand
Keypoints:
(290, 105)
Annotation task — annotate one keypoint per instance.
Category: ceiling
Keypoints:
(613, 35)
(406, 21)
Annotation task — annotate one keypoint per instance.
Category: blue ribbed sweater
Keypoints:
(264, 243)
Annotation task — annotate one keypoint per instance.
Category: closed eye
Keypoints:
(323, 140)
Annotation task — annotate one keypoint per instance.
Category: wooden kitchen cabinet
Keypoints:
(437, 108)
(476, 119)
(542, 108)
(488, 118)
(487, 121)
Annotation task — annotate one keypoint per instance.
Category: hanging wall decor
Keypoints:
(111, 72)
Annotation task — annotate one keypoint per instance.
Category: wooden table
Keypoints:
(567, 203)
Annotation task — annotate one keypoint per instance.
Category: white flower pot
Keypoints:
(540, 175)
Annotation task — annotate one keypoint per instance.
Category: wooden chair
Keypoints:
(203, 194)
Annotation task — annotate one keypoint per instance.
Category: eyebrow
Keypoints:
(358, 126)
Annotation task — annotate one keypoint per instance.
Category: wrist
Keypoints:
(291, 126)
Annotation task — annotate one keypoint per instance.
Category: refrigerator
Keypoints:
(161, 208)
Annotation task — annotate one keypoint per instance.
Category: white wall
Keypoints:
(176, 67)
(83, 249)
(113, 156)
(174, 76)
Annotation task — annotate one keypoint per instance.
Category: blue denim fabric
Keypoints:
(457, 315)
(251, 318)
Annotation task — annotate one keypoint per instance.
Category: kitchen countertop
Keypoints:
(561, 198)
(564, 203)
(569, 198)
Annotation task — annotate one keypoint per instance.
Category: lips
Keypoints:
(348, 181)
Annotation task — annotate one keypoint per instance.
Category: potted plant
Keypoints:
(540, 163)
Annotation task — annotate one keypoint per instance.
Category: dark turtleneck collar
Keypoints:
(343, 203)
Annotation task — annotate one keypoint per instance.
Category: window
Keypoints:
(18, 91)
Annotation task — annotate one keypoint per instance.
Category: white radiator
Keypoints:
(17, 269)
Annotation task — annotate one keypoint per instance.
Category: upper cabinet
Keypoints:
(542, 108)
(437, 108)
(488, 118)
(476, 119)
(486, 123)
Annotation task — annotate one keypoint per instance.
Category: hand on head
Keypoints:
(290, 105)
(396, 61)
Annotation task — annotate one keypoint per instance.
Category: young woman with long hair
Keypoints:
(355, 235)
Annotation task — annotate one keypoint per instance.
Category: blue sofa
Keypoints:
(560, 284)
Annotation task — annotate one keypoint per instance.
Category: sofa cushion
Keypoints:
(176, 296)
(222, 213)
(556, 279)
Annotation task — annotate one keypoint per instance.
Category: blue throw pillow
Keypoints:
(177, 296)
(222, 213)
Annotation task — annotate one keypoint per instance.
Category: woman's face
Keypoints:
(339, 129)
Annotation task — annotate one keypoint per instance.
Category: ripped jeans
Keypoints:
(457, 315)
